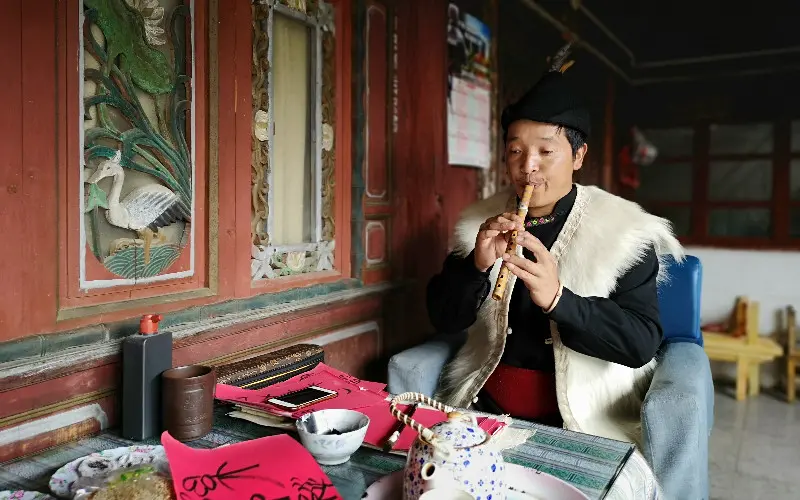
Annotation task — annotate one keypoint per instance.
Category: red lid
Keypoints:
(149, 323)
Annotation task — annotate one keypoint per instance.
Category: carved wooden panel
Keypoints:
(379, 126)
(377, 75)
(138, 182)
(376, 242)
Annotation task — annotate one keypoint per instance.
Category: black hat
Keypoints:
(551, 100)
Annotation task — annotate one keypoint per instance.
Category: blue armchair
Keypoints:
(678, 409)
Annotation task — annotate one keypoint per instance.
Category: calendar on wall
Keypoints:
(469, 90)
(469, 114)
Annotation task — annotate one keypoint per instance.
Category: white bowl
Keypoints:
(331, 436)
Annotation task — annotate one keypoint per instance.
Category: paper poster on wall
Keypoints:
(469, 90)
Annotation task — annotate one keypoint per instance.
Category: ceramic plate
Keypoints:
(24, 495)
(96, 464)
(523, 484)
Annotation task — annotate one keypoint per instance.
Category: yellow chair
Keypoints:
(792, 354)
(748, 351)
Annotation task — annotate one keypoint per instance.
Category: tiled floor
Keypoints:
(755, 448)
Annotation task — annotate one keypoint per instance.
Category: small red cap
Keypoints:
(149, 323)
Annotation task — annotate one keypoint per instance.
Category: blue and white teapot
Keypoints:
(451, 457)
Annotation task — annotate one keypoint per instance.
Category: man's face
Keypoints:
(540, 154)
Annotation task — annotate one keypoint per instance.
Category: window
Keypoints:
(740, 174)
(293, 145)
(727, 184)
(666, 186)
(294, 164)
(794, 190)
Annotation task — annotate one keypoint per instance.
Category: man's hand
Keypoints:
(491, 242)
(540, 277)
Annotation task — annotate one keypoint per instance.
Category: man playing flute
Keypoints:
(574, 338)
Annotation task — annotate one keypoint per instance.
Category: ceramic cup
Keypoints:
(188, 401)
(446, 494)
(331, 436)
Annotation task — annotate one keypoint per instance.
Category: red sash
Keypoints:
(522, 393)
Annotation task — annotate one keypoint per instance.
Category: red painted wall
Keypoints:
(425, 197)
(425, 194)
(29, 254)
(428, 193)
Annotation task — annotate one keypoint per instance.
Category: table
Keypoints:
(588, 462)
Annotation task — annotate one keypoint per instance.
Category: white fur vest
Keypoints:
(603, 237)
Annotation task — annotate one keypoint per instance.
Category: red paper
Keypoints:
(270, 468)
(352, 393)
(382, 424)
(375, 387)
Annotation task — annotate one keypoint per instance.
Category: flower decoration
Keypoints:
(153, 15)
(327, 137)
(326, 18)
(325, 255)
(261, 125)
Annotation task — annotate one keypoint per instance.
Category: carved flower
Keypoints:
(296, 261)
(299, 5)
(327, 137)
(325, 17)
(153, 15)
(325, 255)
(261, 125)
(260, 267)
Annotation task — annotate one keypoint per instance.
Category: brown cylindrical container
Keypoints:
(188, 403)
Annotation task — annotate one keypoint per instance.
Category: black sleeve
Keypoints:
(624, 328)
(455, 295)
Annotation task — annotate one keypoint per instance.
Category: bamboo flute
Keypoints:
(522, 211)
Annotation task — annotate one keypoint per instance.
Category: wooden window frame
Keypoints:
(700, 205)
(315, 143)
(244, 285)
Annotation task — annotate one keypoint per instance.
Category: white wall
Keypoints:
(770, 278)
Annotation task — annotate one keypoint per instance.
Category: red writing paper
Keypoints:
(351, 393)
(270, 468)
(382, 424)
(324, 372)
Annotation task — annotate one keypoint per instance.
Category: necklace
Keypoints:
(539, 221)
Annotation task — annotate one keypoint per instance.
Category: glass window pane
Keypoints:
(794, 229)
(665, 182)
(796, 136)
(740, 222)
(751, 138)
(740, 180)
(794, 180)
(292, 203)
(681, 218)
(671, 142)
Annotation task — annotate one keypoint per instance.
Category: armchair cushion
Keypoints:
(418, 369)
(677, 417)
(679, 301)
